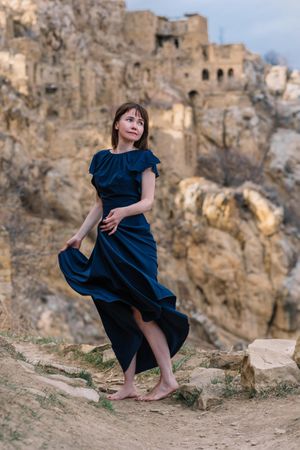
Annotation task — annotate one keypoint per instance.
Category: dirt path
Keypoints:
(36, 415)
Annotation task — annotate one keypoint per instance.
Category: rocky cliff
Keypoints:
(225, 126)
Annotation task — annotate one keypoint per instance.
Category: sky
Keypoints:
(262, 25)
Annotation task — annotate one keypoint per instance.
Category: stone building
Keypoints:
(182, 46)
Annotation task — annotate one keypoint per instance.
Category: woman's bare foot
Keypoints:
(154, 387)
(161, 390)
(124, 392)
(159, 381)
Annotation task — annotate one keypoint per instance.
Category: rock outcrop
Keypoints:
(239, 263)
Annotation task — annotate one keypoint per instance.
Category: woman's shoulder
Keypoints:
(101, 151)
(141, 157)
(148, 155)
(96, 159)
(142, 160)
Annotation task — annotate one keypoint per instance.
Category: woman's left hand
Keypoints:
(112, 220)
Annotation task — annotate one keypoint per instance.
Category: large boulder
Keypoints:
(268, 364)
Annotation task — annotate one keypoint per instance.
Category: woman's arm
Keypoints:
(147, 197)
(93, 217)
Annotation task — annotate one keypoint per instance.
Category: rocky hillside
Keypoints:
(226, 217)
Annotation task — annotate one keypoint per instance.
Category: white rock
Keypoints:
(73, 381)
(285, 346)
(268, 363)
(279, 431)
(268, 216)
(89, 394)
(276, 79)
(292, 91)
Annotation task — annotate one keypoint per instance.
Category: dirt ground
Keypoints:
(36, 415)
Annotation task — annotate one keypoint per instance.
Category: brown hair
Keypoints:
(143, 141)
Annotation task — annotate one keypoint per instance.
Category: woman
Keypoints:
(138, 313)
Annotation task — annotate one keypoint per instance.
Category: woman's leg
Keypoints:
(128, 389)
(159, 345)
(118, 314)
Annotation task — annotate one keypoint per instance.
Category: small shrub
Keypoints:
(230, 390)
(51, 399)
(94, 359)
(281, 390)
(216, 380)
(85, 376)
(105, 403)
(187, 397)
(177, 365)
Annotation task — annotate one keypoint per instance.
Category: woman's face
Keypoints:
(130, 126)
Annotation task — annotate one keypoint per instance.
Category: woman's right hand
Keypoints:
(75, 242)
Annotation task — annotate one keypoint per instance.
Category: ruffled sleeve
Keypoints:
(144, 160)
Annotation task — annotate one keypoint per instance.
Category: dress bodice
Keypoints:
(117, 177)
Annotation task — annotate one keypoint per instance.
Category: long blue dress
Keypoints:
(122, 268)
